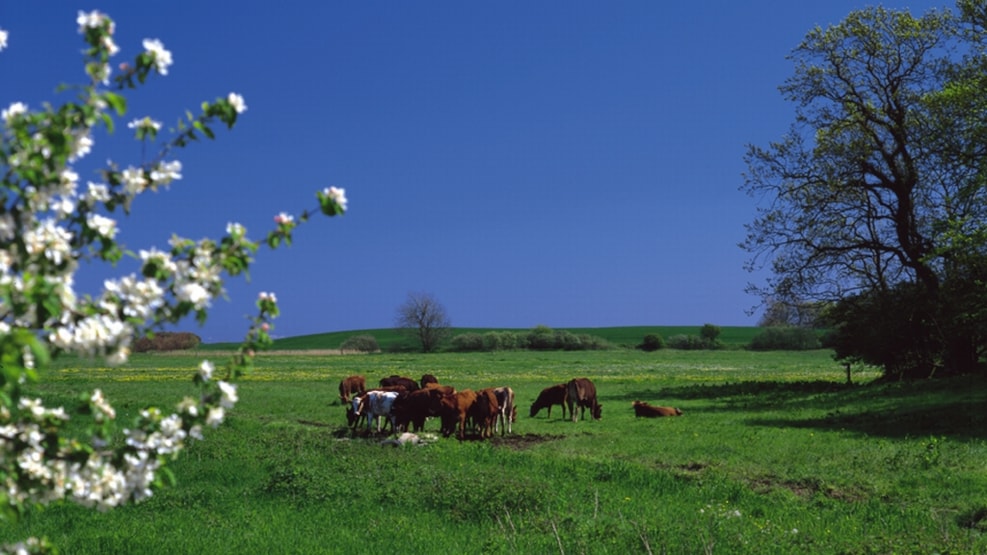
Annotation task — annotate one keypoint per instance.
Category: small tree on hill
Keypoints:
(423, 317)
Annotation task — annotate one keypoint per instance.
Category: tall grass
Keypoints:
(774, 454)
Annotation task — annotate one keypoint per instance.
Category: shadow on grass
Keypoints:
(949, 407)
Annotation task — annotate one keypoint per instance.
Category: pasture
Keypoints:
(774, 454)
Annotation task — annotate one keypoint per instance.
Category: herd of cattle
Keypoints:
(401, 402)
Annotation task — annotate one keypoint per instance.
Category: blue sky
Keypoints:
(572, 164)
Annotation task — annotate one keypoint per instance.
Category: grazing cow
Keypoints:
(416, 407)
(375, 404)
(427, 379)
(580, 392)
(651, 411)
(453, 411)
(484, 412)
(393, 380)
(352, 385)
(443, 389)
(554, 395)
(508, 412)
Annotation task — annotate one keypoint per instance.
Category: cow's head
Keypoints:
(597, 412)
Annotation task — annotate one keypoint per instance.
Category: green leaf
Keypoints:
(117, 102)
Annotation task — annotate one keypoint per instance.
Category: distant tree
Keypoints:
(423, 317)
(710, 333)
(780, 313)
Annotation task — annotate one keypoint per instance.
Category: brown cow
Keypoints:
(580, 392)
(453, 410)
(352, 385)
(427, 379)
(554, 395)
(484, 412)
(394, 379)
(651, 411)
(415, 407)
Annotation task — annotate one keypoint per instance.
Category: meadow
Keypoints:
(775, 453)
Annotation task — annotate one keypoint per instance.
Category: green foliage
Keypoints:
(652, 342)
(710, 333)
(785, 338)
(364, 343)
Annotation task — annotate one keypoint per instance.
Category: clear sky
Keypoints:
(566, 163)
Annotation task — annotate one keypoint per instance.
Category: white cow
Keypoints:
(375, 404)
(507, 412)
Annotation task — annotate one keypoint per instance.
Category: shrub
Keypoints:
(500, 341)
(652, 342)
(361, 343)
(785, 338)
(710, 334)
(541, 338)
(167, 341)
(467, 342)
(688, 343)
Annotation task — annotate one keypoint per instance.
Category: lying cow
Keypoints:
(352, 385)
(650, 411)
(580, 392)
(554, 395)
(375, 405)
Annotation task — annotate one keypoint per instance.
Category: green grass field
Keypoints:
(774, 454)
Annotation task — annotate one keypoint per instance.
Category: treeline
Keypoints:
(167, 341)
(539, 338)
(778, 338)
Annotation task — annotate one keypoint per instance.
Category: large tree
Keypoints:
(875, 199)
(424, 317)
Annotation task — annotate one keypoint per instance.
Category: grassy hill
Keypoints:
(389, 338)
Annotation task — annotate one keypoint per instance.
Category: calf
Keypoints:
(650, 411)
(554, 395)
(375, 404)
(507, 413)
(352, 385)
(580, 392)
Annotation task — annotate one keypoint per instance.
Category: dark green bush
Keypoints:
(167, 341)
(467, 342)
(785, 338)
(652, 342)
(361, 343)
(692, 343)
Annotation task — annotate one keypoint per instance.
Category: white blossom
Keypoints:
(91, 20)
(145, 123)
(229, 397)
(162, 57)
(237, 102)
(166, 172)
(105, 227)
(133, 180)
(205, 370)
(15, 109)
(338, 195)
